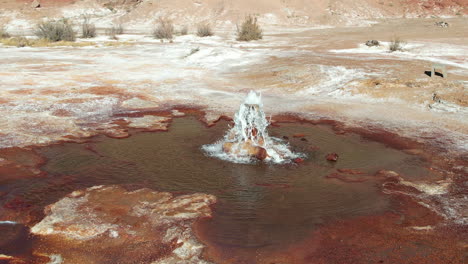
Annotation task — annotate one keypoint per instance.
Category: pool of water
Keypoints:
(258, 204)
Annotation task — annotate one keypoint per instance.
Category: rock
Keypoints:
(304, 139)
(108, 222)
(211, 118)
(298, 160)
(35, 4)
(332, 157)
(372, 43)
(261, 153)
(442, 24)
(177, 113)
(285, 137)
(387, 174)
(246, 147)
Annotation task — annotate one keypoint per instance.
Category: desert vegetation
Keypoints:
(164, 29)
(55, 30)
(249, 30)
(396, 44)
(88, 30)
(183, 31)
(17, 42)
(3, 33)
(29, 42)
(115, 30)
(204, 30)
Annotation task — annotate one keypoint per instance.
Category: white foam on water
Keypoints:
(250, 130)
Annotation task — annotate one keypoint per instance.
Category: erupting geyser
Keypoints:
(248, 140)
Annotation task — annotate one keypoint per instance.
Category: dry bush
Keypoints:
(204, 30)
(250, 30)
(395, 45)
(4, 33)
(23, 42)
(183, 31)
(18, 42)
(118, 29)
(59, 30)
(88, 30)
(114, 31)
(164, 29)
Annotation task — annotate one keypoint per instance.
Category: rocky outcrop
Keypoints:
(35, 4)
(108, 224)
(372, 43)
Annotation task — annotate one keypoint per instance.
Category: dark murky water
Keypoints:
(258, 205)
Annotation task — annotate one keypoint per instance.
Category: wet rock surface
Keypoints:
(332, 157)
(108, 224)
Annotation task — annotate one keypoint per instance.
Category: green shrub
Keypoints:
(249, 30)
(204, 30)
(164, 29)
(55, 31)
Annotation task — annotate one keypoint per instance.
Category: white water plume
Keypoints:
(248, 139)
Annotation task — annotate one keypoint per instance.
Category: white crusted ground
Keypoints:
(123, 221)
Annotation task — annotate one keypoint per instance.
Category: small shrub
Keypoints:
(55, 31)
(4, 33)
(118, 29)
(88, 30)
(17, 42)
(395, 45)
(114, 31)
(22, 42)
(164, 29)
(249, 30)
(204, 30)
(183, 31)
